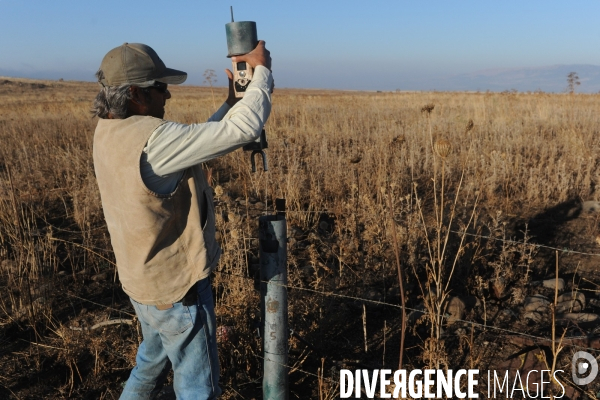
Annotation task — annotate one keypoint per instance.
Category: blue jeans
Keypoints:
(183, 337)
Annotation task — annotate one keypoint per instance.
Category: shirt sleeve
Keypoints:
(174, 147)
(220, 113)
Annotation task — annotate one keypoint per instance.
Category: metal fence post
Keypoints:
(272, 235)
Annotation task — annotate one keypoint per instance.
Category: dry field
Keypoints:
(448, 193)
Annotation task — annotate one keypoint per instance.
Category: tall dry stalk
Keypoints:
(400, 280)
(557, 347)
(439, 273)
(210, 77)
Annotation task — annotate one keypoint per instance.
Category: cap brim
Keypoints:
(172, 77)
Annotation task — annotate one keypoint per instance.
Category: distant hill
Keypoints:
(547, 79)
(72, 75)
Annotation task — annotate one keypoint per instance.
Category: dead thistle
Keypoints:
(443, 148)
(398, 141)
(356, 159)
(469, 126)
(428, 108)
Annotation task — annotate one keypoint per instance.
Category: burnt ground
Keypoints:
(68, 357)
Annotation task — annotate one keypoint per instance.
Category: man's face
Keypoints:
(156, 98)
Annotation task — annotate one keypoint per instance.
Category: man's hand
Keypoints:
(259, 56)
(231, 99)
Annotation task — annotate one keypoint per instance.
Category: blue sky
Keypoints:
(365, 45)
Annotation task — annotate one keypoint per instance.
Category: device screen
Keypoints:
(241, 66)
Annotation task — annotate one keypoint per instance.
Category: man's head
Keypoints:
(134, 82)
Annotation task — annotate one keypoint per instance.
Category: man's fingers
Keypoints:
(258, 56)
(261, 43)
(229, 73)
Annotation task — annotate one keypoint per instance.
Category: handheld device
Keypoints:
(242, 75)
(242, 38)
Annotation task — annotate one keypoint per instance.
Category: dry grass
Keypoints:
(336, 157)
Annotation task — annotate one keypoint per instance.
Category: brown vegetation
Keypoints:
(461, 171)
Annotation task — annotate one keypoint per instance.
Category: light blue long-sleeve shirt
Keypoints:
(174, 147)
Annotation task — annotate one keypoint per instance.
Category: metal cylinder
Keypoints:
(272, 234)
(241, 37)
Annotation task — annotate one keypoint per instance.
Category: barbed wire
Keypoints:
(325, 211)
(294, 368)
(376, 302)
(100, 305)
(87, 248)
(517, 242)
(424, 312)
(509, 241)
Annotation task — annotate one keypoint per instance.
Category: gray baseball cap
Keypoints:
(137, 64)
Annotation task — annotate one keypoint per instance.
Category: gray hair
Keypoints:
(111, 99)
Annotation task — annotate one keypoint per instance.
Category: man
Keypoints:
(158, 208)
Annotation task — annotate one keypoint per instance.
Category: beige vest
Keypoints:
(163, 243)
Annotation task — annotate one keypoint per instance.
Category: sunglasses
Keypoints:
(160, 87)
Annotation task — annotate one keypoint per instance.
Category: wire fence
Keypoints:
(487, 237)
(483, 327)
(572, 341)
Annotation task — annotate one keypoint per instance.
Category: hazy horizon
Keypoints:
(330, 45)
(547, 79)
